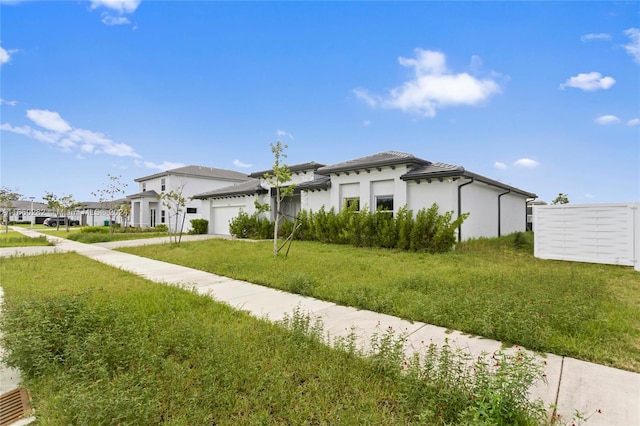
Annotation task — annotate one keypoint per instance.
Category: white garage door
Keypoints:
(221, 217)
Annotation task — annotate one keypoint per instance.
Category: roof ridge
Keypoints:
(443, 164)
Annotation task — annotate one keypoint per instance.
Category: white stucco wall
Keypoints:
(423, 195)
(481, 201)
(370, 185)
(313, 201)
(513, 215)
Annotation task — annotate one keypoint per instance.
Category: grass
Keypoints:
(16, 239)
(92, 237)
(97, 345)
(487, 287)
(75, 233)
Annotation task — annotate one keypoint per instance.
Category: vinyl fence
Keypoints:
(595, 233)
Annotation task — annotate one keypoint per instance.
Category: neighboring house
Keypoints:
(221, 205)
(147, 208)
(95, 213)
(387, 180)
(27, 211)
(90, 213)
(530, 210)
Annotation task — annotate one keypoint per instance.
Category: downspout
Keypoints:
(460, 206)
(499, 211)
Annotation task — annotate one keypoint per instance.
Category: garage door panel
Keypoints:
(221, 216)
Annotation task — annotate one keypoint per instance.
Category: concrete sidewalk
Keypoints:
(611, 395)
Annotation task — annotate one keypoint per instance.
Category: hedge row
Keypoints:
(428, 231)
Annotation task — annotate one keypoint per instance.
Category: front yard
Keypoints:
(16, 239)
(492, 288)
(100, 346)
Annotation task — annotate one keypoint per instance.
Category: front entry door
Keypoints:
(153, 217)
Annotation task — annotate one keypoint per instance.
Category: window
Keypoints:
(162, 184)
(162, 216)
(352, 202)
(144, 186)
(192, 210)
(384, 203)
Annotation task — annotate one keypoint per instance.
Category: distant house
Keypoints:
(147, 209)
(530, 210)
(94, 213)
(26, 211)
(387, 180)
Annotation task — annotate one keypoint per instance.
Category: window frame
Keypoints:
(380, 199)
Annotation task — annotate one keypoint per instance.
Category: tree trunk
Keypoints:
(277, 220)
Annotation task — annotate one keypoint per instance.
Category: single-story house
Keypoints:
(88, 213)
(148, 210)
(388, 180)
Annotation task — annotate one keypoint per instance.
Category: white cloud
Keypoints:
(10, 103)
(589, 82)
(633, 48)
(121, 6)
(240, 164)
(499, 165)
(5, 55)
(599, 36)
(24, 130)
(633, 122)
(114, 20)
(589, 196)
(282, 133)
(607, 119)
(49, 120)
(165, 165)
(527, 163)
(432, 87)
(60, 133)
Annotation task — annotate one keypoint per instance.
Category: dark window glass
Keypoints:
(352, 202)
(384, 203)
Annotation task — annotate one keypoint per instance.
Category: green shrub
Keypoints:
(254, 226)
(199, 226)
(430, 231)
(95, 229)
(286, 228)
(158, 228)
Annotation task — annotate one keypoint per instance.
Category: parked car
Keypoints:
(53, 221)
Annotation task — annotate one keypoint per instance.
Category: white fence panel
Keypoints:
(595, 233)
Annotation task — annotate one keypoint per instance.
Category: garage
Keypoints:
(220, 217)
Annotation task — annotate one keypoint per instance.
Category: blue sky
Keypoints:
(544, 96)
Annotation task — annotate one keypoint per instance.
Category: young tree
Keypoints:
(53, 203)
(175, 204)
(7, 197)
(278, 180)
(125, 213)
(561, 199)
(67, 204)
(108, 197)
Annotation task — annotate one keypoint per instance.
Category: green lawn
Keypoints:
(97, 345)
(16, 239)
(487, 288)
